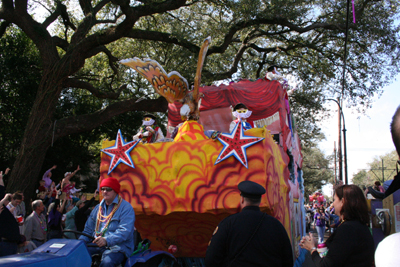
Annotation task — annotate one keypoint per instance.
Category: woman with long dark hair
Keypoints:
(352, 243)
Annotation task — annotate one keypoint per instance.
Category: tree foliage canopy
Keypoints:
(375, 172)
(80, 42)
(317, 171)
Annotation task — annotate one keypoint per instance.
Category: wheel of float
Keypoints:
(386, 225)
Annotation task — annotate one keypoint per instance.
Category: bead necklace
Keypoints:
(42, 227)
(105, 219)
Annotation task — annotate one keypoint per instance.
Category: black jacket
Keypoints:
(351, 245)
(270, 245)
(81, 215)
(9, 228)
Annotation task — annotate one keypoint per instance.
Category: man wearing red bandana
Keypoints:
(111, 223)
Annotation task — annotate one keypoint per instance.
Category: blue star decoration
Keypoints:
(235, 144)
(120, 152)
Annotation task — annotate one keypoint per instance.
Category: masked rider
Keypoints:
(149, 131)
(241, 113)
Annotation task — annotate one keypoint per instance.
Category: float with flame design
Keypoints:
(177, 190)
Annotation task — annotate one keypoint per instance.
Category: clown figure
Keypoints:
(241, 113)
(149, 131)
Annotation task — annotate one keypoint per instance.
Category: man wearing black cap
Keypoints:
(149, 131)
(251, 237)
(241, 113)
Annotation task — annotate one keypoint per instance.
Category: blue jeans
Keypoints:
(321, 233)
(108, 258)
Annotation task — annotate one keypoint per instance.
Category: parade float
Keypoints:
(182, 188)
(317, 198)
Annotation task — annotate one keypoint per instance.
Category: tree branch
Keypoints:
(3, 27)
(162, 37)
(87, 122)
(63, 44)
(132, 14)
(86, 6)
(71, 82)
(53, 16)
(111, 58)
(21, 6)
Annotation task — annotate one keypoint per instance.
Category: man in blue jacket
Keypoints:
(111, 223)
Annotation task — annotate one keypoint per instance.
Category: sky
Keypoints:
(368, 135)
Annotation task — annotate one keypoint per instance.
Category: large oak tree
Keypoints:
(304, 38)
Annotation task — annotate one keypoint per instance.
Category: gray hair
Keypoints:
(36, 204)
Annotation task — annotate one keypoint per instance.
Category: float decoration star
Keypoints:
(235, 144)
(120, 152)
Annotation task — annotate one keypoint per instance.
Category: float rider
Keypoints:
(241, 113)
(149, 131)
(111, 223)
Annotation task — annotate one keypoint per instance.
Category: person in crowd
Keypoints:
(66, 184)
(327, 219)
(55, 214)
(52, 193)
(320, 221)
(83, 212)
(111, 223)
(241, 113)
(15, 201)
(74, 192)
(250, 237)
(41, 192)
(21, 210)
(35, 224)
(352, 243)
(9, 230)
(25, 246)
(149, 132)
(47, 178)
(378, 187)
(333, 218)
(70, 217)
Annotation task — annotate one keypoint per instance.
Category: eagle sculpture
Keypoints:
(173, 86)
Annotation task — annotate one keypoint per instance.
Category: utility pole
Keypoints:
(334, 154)
(341, 116)
(340, 142)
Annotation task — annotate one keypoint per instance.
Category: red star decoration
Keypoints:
(120, 152)
(235, 144)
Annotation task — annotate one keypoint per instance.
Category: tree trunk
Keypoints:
(37, 138)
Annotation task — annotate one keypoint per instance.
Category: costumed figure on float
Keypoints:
(241, 113)
(149, 131)
(274, 74)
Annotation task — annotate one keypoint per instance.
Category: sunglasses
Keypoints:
(108, 189)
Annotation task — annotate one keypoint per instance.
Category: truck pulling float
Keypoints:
(181, 189)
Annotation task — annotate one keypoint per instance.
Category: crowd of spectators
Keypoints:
(55, 209)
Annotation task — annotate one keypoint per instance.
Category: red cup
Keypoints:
(20, 219)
